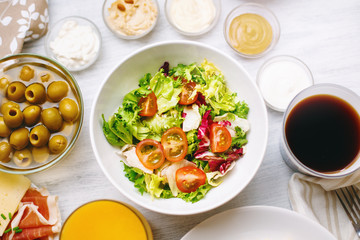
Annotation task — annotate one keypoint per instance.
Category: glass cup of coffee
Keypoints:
(321, 131)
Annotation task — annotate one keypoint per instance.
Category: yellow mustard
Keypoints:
(250, 33)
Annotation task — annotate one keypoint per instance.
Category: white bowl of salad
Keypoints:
(179, 127)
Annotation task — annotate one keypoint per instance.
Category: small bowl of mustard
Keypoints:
(252, 30)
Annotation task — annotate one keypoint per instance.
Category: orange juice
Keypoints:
(106, 220)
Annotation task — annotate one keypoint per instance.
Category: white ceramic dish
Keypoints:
(167, 7)
(55, 29)
(124, 77)
(105, 15)
(258, 9)
(259, 222)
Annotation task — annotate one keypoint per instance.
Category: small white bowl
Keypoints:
(148, 60)
(283, 80)
(105, 14)
(54, 31)
(167, 6)
(260, 10)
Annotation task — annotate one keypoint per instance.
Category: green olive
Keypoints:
(41, 154)
(22, 158)
(35, 93)
(57, 90)
(19, 138)
(4, 130)
(57, 144)
(32, 115)
(13, 117)
(5, 152)
(4, 82)
(7, 105)
(26, 73)
(45, 76)
(39, 136)
(52, 119)
(16, 92)
(69, 109)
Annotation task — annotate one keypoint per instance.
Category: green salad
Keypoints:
(179, 132)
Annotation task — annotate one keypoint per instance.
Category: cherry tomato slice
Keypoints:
(189, 178)
(188, 94)
(220, 138)
(148, 105)
(150, 153)
(175, 144)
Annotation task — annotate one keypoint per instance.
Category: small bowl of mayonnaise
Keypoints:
(281, 78)
(192, 17)
(251, 30)
(74, 42)
(130, 19)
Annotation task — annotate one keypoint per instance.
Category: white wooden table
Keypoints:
(325, 34)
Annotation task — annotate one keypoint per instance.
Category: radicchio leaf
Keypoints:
(206, 121)
(224, 167)
(166, 67)
(204, 134)
(219, 163)
(200, 100)
(225, 123)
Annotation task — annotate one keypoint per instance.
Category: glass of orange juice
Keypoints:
(106, 219)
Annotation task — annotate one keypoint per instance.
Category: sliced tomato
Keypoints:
(150, 153)
(148, 105)
(220, 138)
(188, 94)
(189, 178)
(175, 144)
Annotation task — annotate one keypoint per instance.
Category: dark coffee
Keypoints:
(323, 132)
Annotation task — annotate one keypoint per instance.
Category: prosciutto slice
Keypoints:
(38, 217)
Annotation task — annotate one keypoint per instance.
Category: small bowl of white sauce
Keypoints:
(192, 17)
(74, 42)
(281, 78)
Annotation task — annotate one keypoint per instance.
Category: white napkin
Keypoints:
(314, 198)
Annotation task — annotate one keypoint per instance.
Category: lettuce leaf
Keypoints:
(189, 72)
(192, 197)
(203, 165)
(112, 138)
(241, 109)
(215, 90)
(159, 123)
(240, 138)
(136, 176)
(166, 90)
(197, 195)
(193, 142)
(120, 128)
(126, 123)
(154, 185)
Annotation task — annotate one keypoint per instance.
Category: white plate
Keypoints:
(259, 223)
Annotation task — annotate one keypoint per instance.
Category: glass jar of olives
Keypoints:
(41, 113)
